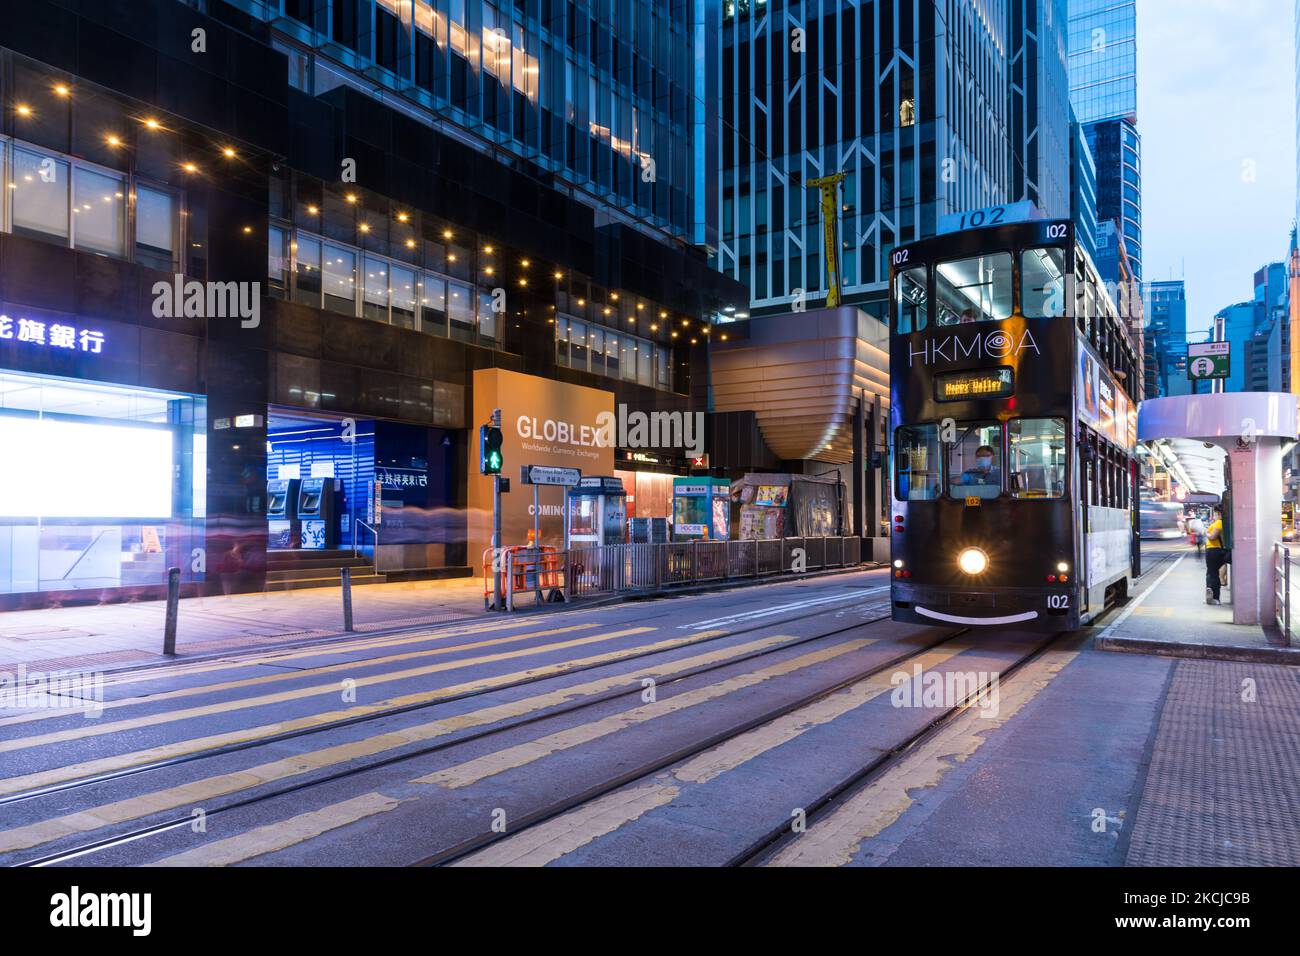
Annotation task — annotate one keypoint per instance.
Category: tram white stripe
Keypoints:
(957, 619)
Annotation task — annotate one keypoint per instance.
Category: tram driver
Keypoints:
(983, 472)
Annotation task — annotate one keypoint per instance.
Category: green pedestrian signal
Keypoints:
(489, 446)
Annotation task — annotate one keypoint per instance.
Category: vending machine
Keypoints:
(318, 514)
(282, 525)
(597, 512)
(701, 509)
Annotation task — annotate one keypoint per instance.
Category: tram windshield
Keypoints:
(917, 454)
(973, 290)
(1036, 447)
(975, 461)
(1042, 283)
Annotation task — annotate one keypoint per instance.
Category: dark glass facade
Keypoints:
(140, 166)
(927, 108)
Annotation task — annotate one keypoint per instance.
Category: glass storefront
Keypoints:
(101, 486)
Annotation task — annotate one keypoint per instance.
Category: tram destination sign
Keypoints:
(1208, 360)
(975, 383)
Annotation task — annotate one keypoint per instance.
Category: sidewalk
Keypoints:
(1172, 619)
(109, 635)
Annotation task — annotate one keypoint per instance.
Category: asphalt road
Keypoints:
(784, 724)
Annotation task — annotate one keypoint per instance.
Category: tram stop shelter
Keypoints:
(1231, 444)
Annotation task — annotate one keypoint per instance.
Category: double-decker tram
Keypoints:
(1015, 481)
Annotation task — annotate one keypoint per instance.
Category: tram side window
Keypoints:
(1042, 283)
(975, 461)
(973, 290)
(1036, 457)
(916, 457)
(913, 307)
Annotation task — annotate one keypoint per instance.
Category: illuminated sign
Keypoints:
(51, 335)
(976, 383)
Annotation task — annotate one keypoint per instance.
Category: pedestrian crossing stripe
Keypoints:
(203, 791)
(299, 693)
(289, 675)
(549, 841)
(511, 758)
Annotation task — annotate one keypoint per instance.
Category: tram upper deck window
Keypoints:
(1042, 283)
(1036, 457)
(912, 306)
(975, 461)
(974, 290)
(917, 458)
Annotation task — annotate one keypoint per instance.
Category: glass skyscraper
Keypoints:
(927, 106)
(1103, 91)
(596, 93)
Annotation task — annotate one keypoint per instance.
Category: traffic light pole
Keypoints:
(497, 556)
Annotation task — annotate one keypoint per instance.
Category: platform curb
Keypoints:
(1213, 652)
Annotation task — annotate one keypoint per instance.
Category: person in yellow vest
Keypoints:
(1216, 556)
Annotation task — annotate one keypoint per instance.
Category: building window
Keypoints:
(99, 212)
(40, 196)
(339, 275)
(307, 278)
(157, 227)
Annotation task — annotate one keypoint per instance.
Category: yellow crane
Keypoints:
(830, 189)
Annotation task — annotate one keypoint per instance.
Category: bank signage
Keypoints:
(53, 336)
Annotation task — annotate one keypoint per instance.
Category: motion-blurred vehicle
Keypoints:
(1160, 520)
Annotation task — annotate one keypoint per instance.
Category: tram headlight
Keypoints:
(1062, 567)
(973, 561)
(898, 563)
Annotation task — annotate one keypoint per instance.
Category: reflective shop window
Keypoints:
(912, 307)
(339, 278)
(489, 320)
(433, 304)
(1042, 283)
(460, 311)
(307, 281)
(40, 196)
(375, 296)
(973, 290)
(1036, 462)
(402, 293)
(975, 461)
(562, 342)
(277, 262)
(917, 463)
(99, 212)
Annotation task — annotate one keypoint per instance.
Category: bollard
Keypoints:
(346, 575)
(173, 607)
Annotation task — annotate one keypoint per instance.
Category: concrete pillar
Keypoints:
(1256, 468)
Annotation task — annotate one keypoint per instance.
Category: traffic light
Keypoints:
(489, 450)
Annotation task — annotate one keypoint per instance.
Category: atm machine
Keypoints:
(318, 513)
(282, 525)
(597, 512)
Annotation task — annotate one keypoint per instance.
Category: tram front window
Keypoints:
(973, 290)
(1042, 283)
(916, 452)
(1036, 447)
(975, 462)
(913, 309)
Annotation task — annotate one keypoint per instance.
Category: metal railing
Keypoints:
(1282, 590)
(600, 570)
(356, 546)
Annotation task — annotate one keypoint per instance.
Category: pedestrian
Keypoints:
(1216, 556)
(1196, 528)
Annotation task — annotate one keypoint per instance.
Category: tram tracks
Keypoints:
(368, 717)
(633, 687)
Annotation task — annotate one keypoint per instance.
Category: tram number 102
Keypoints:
(1058, 602)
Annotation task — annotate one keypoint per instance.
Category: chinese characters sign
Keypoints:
(51, 335)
